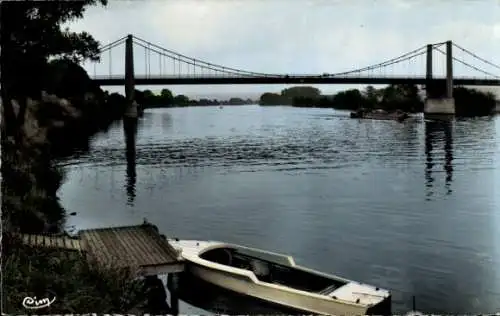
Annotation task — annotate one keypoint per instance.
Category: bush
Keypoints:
(79, 286)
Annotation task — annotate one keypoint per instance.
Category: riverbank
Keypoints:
(149, 100)
(31, 205)
(50, 108)
(69, 278)
(406, 98)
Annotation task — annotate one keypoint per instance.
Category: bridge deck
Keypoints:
(139, 246)
(172, 80)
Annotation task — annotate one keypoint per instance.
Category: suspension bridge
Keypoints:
(166, 67)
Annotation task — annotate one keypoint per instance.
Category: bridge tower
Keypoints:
(131, 110)
(130, 119)
(428, 74)
(440, 104)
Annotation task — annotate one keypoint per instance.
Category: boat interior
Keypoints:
(270, 271)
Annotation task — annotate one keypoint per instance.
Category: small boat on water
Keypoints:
(276, 278)
(380, 114)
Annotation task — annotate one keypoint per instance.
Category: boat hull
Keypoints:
(272, 294)
(400, 117)
(338, 297)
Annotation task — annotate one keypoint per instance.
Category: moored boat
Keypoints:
(380, 115)
(276, 278)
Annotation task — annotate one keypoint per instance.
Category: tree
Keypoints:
(305, 92)
(31, 34)
(349, 99)
(181, 100)
(471, 102)
(371, 94)
(271, 99)
(166, 97)
(236, 101)
(166, 94)
(35, 29)
(309, 92)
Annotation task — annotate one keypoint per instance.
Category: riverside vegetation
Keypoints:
(50, 108)
(405, 97)
(147, 99)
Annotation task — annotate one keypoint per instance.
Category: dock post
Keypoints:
(157, 296)
(414, 307)
(172, 289)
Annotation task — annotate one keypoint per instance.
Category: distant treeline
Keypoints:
(147, 99)
(405, 97)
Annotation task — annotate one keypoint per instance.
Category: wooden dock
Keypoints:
(57, 242)
(140, 246)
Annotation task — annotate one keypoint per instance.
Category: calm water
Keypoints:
(411, 207)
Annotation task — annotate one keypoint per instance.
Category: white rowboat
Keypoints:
(276, 278)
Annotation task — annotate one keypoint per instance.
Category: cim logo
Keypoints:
(38, 303)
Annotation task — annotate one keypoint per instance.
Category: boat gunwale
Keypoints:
(212, 245)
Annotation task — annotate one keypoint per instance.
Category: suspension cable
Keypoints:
(469, 65)
(190, 62)
(474, 55)
(381, 65)
(385, 63)
(105, 47)
(203, 62)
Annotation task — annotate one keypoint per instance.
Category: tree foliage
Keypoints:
(405, 97)
(79, 285)
(147, 99)
(469, 102)
(302, 91)
(33, 29)
(30, 35)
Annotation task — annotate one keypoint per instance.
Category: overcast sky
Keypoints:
(296, 36)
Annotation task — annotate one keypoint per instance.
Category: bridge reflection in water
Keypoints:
(436, 133)
(130, 131)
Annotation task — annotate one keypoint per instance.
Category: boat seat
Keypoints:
(328, 290)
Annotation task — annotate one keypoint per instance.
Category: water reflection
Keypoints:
(266, 178)
(166, 121)
(130, 131)
(436, 132)
(217, 300)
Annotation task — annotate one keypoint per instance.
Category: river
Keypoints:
(413, 207)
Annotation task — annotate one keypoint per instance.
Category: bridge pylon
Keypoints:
(428, 73)
(131, 110)
(443, 105)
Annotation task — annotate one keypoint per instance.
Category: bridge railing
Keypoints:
(222, 76)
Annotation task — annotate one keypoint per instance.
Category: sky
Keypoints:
(295, 36)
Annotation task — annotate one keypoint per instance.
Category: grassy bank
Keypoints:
(50, 108)
(78, 287)
(30, 181)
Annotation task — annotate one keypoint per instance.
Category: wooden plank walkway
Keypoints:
(139, 246)
(132, 246)
(56, 242)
